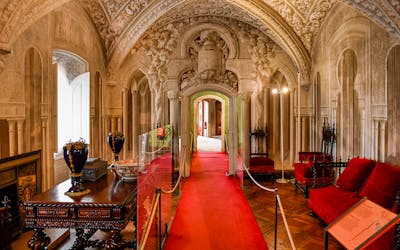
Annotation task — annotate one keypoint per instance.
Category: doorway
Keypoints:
(209, 120)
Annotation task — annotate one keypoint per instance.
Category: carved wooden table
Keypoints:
(109, 206)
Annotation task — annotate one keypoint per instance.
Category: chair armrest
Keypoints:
(324, 172)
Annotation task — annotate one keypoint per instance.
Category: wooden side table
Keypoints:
(109, 206)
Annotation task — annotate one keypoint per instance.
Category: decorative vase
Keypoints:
(75, 155)
(116, 141)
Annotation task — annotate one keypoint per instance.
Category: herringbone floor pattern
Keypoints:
(307, 231)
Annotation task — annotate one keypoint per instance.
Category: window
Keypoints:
(73, 94)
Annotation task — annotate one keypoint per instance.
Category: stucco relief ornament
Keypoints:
(261, 50)
(159, 45)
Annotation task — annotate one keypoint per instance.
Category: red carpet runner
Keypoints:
(212, 212)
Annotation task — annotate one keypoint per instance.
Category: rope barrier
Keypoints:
(181, 164)
(275, 190)
(180, 174)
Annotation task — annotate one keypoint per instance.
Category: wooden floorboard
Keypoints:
(307, 231)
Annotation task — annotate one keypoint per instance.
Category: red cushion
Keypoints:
(330, 202)
(355, 174)
(261, 161)
(302, 170)
(262, 169)
(382, 185)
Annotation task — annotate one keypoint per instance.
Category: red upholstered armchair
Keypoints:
(309, 173)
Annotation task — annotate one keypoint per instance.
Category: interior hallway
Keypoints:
(213, 212)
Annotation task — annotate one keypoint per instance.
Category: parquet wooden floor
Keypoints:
(307, 231)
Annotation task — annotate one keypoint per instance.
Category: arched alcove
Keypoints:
(144, 105)
(278, 81)
(350, 121)
(33, 99)
(393, 104)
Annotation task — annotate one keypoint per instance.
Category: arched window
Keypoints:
(73, 94)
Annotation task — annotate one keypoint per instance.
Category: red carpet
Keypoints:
(213, 212)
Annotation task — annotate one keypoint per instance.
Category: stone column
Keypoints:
(47, 165)
(298, 124)
(232, 136)
(291, 124)
(106, 127)
(376, 142)
(267, 94)
(382, 126)
(362, 142)
(186, 136)
(303, 133)
(245, 127)
(12, 135)
(253, 120)
(135, 122)
(92, 148)
(173, 99)
(275, 123)
(20, 136)
(153, 111)
(125, 120)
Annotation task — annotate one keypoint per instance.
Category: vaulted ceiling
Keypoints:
(120, 23)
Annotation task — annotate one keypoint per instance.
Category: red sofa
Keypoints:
(378, 182)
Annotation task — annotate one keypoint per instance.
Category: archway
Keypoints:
(231, 119)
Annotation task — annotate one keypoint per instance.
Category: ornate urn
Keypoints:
(75, 155)
(116, 141)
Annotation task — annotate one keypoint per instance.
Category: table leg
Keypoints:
(40, 240)
(115, 241)
(80, 241)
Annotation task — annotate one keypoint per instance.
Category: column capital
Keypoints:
(245, 96)
(173, 95)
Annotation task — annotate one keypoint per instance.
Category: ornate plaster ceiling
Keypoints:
(112, 17)
(117, 20)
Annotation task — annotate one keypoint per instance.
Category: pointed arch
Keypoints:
(33, 78)
(393, 105)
